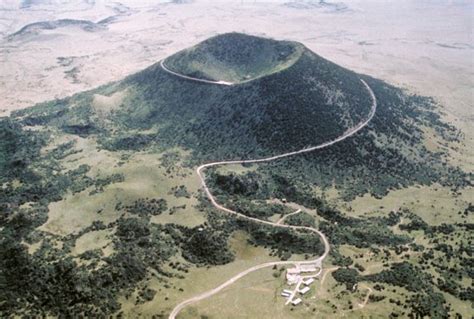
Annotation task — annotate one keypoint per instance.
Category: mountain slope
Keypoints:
(307, 103)
(304, 104)
(101, 210)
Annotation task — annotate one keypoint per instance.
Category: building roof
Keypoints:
(296, 301)
(304, 290)
(308, 281)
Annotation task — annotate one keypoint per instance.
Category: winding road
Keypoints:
(200, 172)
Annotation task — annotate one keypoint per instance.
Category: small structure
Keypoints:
(304, 290)
(296, 302)
(285, 294)
(293, 271)
(287, 291)
(283, 200)
(308, 281)
(292, 275)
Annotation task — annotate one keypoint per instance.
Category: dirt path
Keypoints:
(281, 220)
(364, 303)
(328, 271)
(318, 261)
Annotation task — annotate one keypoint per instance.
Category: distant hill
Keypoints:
(317, 4)
(36, 27)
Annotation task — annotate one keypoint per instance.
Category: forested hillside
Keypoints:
(309, 102)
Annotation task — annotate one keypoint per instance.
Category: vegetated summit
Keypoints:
(235, 57)
(296, 98)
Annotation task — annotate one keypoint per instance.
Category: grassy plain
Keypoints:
(198, 279)
(435, 204)
(144, 176)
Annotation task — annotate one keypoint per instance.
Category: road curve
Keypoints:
(200, 169)
(366, 299)
(281, 220)
(164, 67)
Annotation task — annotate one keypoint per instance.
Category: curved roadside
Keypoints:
(327, 272)
(200, 173)
(164, 67)
(187, 77)
(281, 220)
(366, 299)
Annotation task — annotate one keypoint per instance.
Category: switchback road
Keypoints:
(200, 173)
